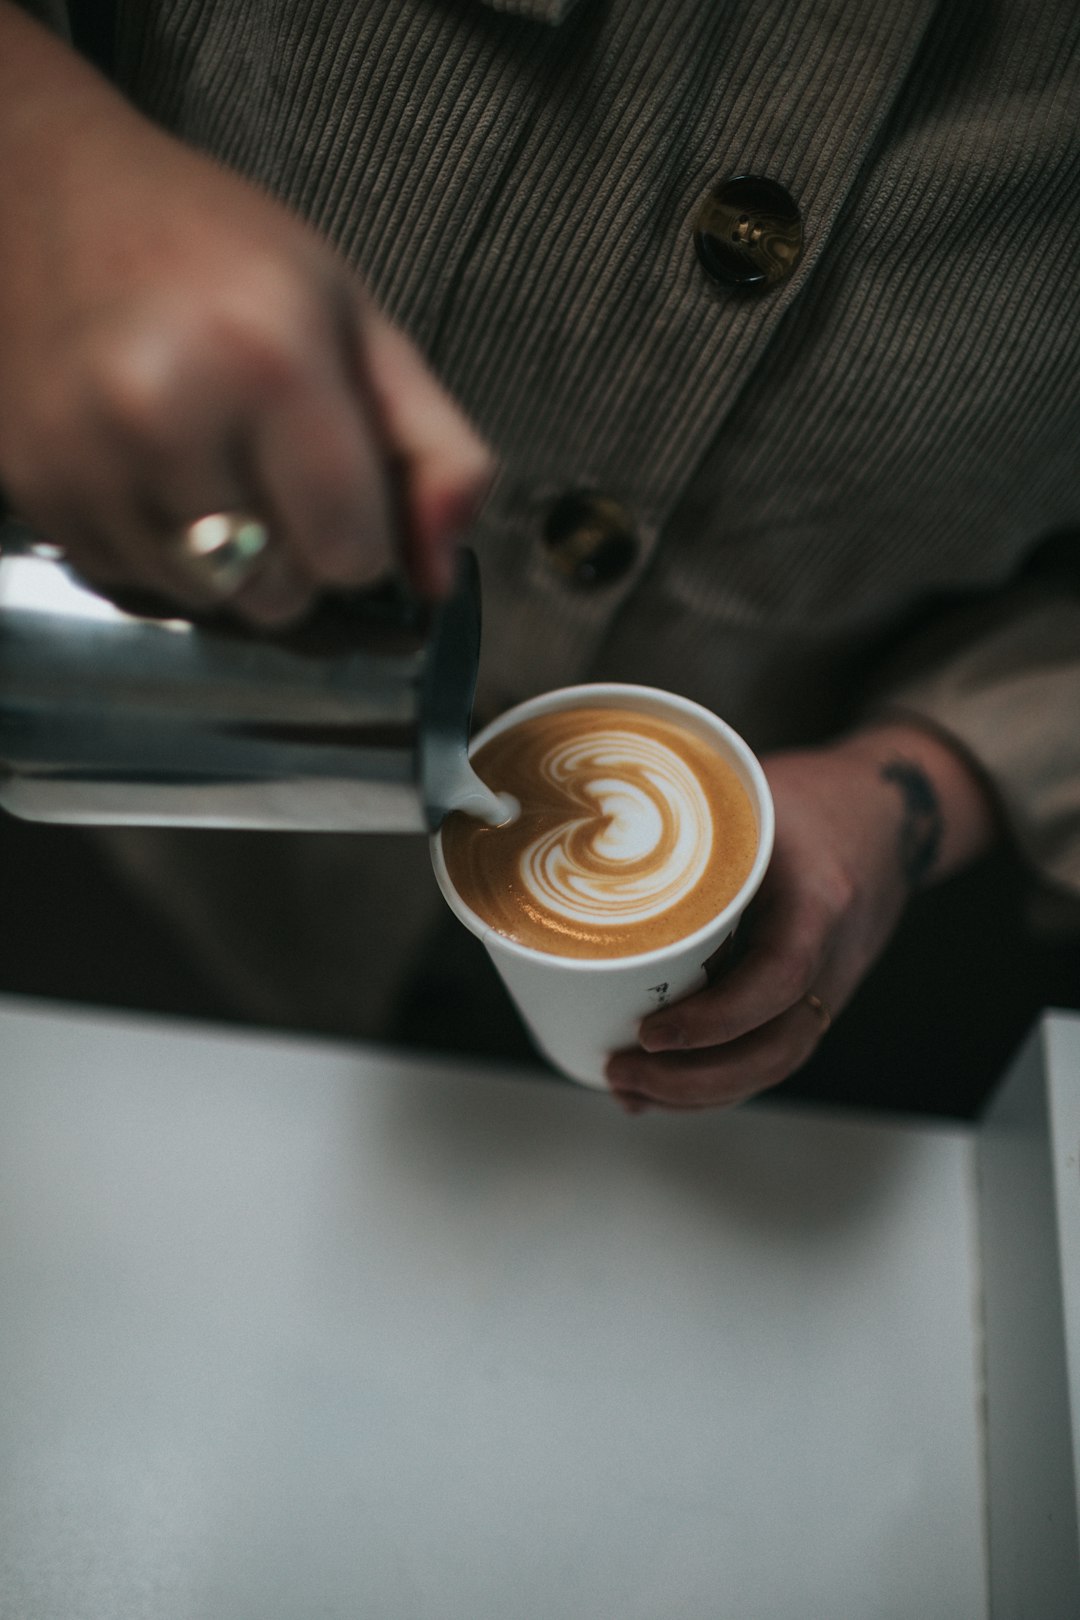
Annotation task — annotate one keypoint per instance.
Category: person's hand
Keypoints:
(858, 826)
(173, 343)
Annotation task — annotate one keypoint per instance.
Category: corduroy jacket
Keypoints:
(856, 491)
(859, 488)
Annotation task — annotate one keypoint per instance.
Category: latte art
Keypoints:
(632, 833)
(641, 842)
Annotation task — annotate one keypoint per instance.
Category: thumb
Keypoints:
(444, 467)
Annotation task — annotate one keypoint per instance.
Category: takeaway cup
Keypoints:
(580, 1010)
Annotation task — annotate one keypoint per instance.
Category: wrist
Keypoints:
(946, 811)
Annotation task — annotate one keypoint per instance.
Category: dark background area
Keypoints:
(92, 27)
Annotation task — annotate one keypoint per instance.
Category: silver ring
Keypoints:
(223, 549)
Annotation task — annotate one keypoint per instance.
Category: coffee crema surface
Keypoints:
(633, 833)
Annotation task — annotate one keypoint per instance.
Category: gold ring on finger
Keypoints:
(222, 550)
(819, 1009)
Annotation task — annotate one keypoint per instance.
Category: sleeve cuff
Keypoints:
(1006, 691)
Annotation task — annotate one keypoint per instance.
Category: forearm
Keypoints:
(943, 810)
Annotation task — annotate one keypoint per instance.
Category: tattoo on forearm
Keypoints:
(923, 826)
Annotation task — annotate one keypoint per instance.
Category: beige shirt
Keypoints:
(862, 487)
(859, 489)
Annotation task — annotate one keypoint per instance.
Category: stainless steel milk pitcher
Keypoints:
(357, 721)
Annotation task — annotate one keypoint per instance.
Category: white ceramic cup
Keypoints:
(580, 1010)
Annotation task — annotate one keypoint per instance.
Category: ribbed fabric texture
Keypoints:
(836, 483)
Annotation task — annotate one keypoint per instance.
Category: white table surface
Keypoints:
(291, 1331)
(1027, 1155)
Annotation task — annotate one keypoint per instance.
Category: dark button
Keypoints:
(748, 232)
(590, 538)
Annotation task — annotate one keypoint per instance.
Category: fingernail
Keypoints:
(661, 1037)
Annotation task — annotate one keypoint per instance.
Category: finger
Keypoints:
(157, 460)
(446, 468)
(98, 513)
(305, 454)
(278, 594)
(118, 554)
(151, 490)
(783, 960)
(131, 552)
(322, 479)
(199, 479)
(720, 1075)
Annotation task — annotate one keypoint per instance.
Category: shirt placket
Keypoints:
(617, 424)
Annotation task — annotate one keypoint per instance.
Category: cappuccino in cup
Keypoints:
(633, 832)
(645, 828)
